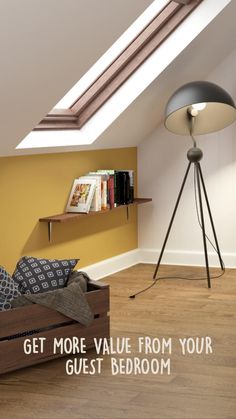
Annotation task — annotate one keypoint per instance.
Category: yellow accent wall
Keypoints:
(38, 186)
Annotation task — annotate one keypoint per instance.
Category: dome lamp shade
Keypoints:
(211, 106)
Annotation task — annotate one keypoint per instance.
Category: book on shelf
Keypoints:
(108, 187)
(111, 191)
(112, 188)
(104, 195)
(103, 200)
(96, 204)
(120, 187)
(81, 194)
(131, 185)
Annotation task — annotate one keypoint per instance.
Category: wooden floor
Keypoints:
(199, 386)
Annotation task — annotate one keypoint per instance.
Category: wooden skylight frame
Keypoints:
(133, 56)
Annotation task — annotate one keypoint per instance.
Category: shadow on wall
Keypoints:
(166, 153)
(75, 230)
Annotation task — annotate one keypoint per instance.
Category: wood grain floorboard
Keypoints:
(199, 386)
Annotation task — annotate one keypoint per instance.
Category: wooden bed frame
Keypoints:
(37, 321)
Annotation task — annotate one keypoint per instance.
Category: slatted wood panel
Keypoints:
(34, 317)
(12, 356)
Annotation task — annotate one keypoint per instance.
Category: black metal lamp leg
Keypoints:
(211, 219)
(171, 221)
(197, 165)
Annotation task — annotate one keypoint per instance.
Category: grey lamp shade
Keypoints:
(219, 111)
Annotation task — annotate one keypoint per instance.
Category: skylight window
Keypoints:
(151, 43)
(111, 54)
(59, 138)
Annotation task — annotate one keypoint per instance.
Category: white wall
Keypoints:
(162, 162)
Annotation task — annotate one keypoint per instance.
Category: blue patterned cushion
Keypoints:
(8, 290)
(36, 275)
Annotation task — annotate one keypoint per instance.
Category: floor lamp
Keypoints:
(198, 108)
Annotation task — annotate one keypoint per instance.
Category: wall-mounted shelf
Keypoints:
(67, 216)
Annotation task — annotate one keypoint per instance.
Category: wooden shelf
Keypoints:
(67, 216)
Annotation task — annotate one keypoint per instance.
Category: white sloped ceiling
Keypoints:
(45, 47)
(47, 67)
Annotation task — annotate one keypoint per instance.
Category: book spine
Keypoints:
(104, 195)
(96, 202)
(111, 191)
(93, 206)
(122, 188)
(116, 189)
(127, 188)
(100, 194)
(121, 181)
(131, 186)
(90, 199)
(108, 191)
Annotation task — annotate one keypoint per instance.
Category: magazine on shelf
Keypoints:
(81, 195)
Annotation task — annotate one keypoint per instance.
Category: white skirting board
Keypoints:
(186, 258)
(171, 257)
(112, 265)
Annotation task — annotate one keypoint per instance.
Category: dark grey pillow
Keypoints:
(8, 290)
(36, 275)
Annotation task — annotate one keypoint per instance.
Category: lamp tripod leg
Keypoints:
(171, 221)
(211, 219)
(197, 166)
